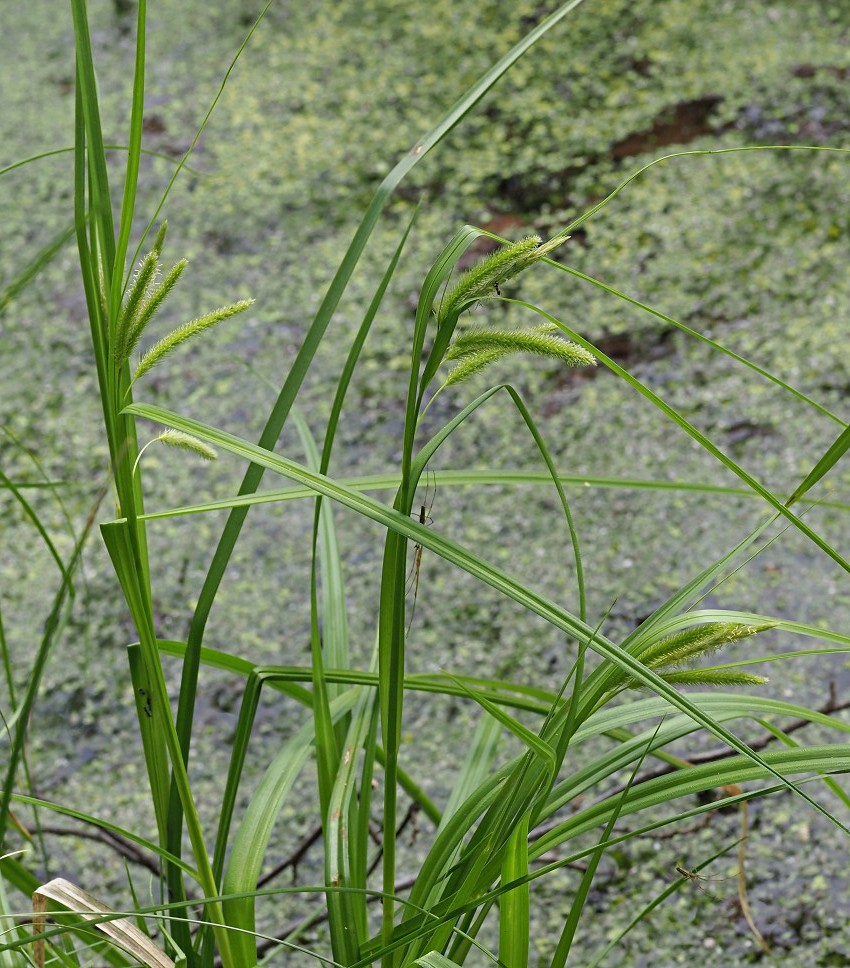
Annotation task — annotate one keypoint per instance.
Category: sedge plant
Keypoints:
(493, 839)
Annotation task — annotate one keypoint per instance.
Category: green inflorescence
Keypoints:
(143, 301)
(479, 347)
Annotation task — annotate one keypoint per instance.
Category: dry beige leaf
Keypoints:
(121, 930)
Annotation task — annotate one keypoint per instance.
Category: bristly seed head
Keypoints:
(665, 655)
(478, 348)
(186, 332)
(696, 641)
(176, 438)
(491, 273)
(144, 300)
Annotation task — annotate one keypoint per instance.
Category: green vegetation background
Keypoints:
(750, 249)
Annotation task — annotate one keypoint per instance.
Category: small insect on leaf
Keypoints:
(147, 708)
(424, 518)
(698, 880)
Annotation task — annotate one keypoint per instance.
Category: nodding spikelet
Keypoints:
(143, 300)
(186, 332)
(484, 278)
(686, 646)
(131, 333)
(706, 677)
(540, 340)
(176, 438)
(693, 642)
(159, 241)
(539, 252)
(142, 281)
(479, 348)
(474, 363)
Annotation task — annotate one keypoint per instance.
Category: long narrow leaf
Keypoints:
(565, 942)
(715, 152)
(251, 840)
(472, 478)
(53, 627)
(735, 770)
(514, 913)
(827, 462)
(644, 912)
(449, 550)
(700, 438)
(128, 202)
(29, 272)
(314, 336)
(526, 736)
(533, 699)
